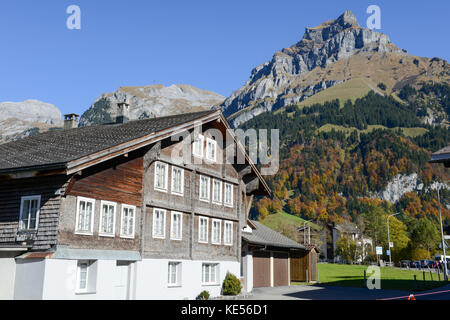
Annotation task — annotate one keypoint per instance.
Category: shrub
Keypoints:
(204, 295)
(231, 285)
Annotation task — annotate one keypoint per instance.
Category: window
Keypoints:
(228, 195)
(216, 231)
(203, 229)
(174, 274)
(29, 213)
(210, 273)
(85, 216)
(217, 192)
(177, 181)
(211, 149)
(107, 219)
(82, 280)
(128, 221)
(86, 277)
(197, 147)
(204, 188)
(161, 175)
(176, 227)
(228, 233)
(159, 223)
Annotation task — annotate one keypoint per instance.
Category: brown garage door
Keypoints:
(280, 269)
(261, 269)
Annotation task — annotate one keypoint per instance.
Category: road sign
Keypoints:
(388, 252)
(379, 250)
(391, 244)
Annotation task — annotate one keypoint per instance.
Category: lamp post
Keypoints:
(442, 233)
(389, 238)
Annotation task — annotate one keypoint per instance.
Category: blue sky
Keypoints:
(212, 44)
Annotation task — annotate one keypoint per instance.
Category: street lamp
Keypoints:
(442, 233)
(389, 238)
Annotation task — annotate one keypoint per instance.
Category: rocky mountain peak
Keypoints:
(330, 54)
(347, 20)
(150, 101)
(330, 28)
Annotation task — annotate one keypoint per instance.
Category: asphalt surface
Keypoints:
(319, 292)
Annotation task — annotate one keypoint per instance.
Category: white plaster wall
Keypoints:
(61, 277)
(152, 279)
(29, 279)
(55, 279)
(7, 277)
(248, 271)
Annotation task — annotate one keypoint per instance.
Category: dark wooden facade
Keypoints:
(11, 191)
(128, 179)
(304, 266)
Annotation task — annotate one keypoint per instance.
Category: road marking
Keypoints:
(417, 295)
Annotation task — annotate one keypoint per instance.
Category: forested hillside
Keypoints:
(337, 161)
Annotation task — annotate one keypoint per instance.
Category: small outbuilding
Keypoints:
(270, 259)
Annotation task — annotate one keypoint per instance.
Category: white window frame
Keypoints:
(29, 198)
(172, 236)
(182, 181)
(154, 234)
(216, 273)
(86, 289)
(209, 189)
(200, 240)
(219, 202)
(126, 236)
(82, 232)
(213, 231)
(166, 177)
(230, 205)
(194, 144)
(178, 270)
(100, 232)
(228, 223)
(212, 142)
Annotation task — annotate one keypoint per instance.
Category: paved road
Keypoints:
(319, 292)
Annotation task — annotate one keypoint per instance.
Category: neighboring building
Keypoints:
(267, 257)
(331, 234)
(113, 212)
(442, 156)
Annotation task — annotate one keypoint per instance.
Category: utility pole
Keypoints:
(442, 234)
(389, 238)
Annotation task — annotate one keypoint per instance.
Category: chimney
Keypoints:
(123, 113)
(71, 121)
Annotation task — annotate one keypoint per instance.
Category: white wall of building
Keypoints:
(56, 279)
(152, 279)
(29, 279)
(7, 277)
(61, 279)
(247, 262)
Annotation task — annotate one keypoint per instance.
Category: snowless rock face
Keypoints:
(402, 184)
(150, 101)
(21, 119)
(399, 185)
(31, 111)
(276, 84)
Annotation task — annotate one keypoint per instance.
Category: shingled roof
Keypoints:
(58, 147)
(263, 235)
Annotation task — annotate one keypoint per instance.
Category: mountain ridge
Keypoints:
(332, 53)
